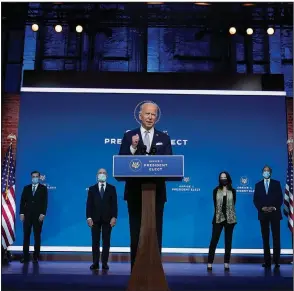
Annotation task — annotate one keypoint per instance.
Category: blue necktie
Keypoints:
(266, 186)
(102, 190)
(34, 189)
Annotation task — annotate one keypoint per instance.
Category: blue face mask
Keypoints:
(35, 180)
(101, 178)
(266, 174)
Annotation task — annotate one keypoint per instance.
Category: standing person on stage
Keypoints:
(101, 214)
(224, 198)
(137, 142)
(268, 200)
(33, 208)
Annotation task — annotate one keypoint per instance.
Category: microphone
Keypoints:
(143, 150)
(153, 150)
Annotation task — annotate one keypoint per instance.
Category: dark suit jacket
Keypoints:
(34, 204)
(133, 188)
(101, 209)
(273, 198)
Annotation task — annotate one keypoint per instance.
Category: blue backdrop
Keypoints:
(68, 136)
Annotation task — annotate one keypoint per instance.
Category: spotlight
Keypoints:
(249, 31)
(202, 3)
(232, 30)
(270, 31)
(248, 4)
(79, 28)
(35, 27)
(58, 28)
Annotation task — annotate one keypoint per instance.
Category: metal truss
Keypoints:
(164, 15)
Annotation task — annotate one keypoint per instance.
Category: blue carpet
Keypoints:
(180, 277)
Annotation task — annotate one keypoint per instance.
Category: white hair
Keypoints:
(149, 103)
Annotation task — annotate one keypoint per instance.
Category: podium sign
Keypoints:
(169, 167)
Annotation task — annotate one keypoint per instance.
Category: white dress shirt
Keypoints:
(100, 184)
(36, 186)
(143, 132)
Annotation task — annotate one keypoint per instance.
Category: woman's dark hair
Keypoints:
(229, 186)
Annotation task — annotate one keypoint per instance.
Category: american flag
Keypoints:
(8, 200)
(288, 198)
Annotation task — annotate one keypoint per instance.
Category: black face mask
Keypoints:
(224, 182)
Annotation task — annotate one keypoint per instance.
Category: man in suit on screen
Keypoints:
(142, 140)
(101, 214)
(33, 208)
(268, 199)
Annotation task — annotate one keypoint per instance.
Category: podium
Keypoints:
(148, 273)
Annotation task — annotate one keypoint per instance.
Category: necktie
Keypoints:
(266, 186)
(102, 190)
(147, 140)
(34, 189)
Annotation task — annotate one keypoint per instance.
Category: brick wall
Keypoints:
(9, 119)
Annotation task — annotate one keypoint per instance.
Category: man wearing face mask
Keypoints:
(268, 199)
(101, 214)
(33, 208)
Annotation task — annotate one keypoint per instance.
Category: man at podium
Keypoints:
(140, 141)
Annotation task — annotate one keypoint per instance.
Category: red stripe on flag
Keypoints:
(8, 203)
(287, 193)
(287, 203)
(9, 226)
(291, 215)
(12, 192)
(3, 233)
(290, 226)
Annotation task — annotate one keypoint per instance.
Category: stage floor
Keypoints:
(181, 277)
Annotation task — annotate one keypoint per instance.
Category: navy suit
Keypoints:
(101, 210)
(133, 189)
(32, 205)
(273, 198)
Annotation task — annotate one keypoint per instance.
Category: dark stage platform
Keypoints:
(181, 277)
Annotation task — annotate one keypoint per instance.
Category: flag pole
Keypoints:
(290, 151)
(11, 137)
(290, 148)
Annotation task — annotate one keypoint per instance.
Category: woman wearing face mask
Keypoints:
(224, 198)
